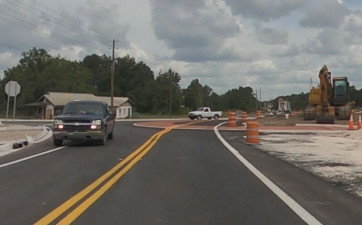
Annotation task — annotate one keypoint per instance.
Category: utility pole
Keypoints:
(260, 99)
(112, 74)
(170, 100)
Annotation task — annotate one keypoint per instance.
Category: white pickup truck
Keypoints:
(204, 112)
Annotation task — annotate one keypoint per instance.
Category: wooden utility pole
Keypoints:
(112, 74)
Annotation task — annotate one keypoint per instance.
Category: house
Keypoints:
(51, 104)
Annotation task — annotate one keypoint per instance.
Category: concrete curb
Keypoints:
(12, 146)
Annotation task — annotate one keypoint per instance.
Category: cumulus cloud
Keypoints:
(133, 51)
(271, 36)
(194, 30)
(264, 10)
(352, 28)
(68, 52)
(262, 67)
(286, 51)
(328, 42)
(7, 60)
(324, 13)
(275, 46)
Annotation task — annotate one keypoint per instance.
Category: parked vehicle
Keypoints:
(84, 120)
(205, 112)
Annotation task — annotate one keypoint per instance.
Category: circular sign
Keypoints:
(12, 88)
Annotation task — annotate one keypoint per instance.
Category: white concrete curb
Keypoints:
(8, 147)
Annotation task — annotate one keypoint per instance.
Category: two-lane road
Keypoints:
(184, 177)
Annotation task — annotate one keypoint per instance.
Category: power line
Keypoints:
(9, 46)
(42, 16)
(29, 25)
(65, 25)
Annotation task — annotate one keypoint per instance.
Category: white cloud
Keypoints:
(275, 46)
(7, 60)
(133, 51)
(262, 66)
(68, 52)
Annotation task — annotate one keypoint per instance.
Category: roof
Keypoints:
(117, 101)
(62, 98)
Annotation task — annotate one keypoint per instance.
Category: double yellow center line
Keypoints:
(117, 172)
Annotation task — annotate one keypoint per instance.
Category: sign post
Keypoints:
(12, 89)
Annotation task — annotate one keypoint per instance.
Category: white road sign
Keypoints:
(12, 88)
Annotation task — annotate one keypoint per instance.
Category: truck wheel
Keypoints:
(199, 117)
(216, 117)
(104, 138)
(58, 142)
(110, 135)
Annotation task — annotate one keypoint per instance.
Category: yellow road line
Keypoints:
(69, 203)
(89, 201)
(136, 155)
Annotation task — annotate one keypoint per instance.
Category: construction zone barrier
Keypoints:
(258, 115)
(252, 132)
(351, 123)
(232, 119)
(244, 116)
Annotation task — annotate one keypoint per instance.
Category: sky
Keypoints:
(276, 46)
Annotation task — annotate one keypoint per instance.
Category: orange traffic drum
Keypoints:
(232, 119)
(252, 132)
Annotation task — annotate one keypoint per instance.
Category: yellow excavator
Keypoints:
(329, 100)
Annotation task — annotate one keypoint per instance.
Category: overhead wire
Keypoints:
(29, 25)
(15, 19)
(51, 18)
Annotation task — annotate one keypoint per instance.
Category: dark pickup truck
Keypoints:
(84, 120)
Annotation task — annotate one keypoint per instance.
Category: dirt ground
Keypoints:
(334, 155)
(293, 119)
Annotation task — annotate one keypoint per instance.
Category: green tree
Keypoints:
(241, 98)
(100, 69)
(168, 96)
(38, 73)
(355, 95)
(193, 95)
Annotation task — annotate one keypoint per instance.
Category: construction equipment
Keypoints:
(329, 100)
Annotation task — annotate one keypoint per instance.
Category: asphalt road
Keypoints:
(187, 177)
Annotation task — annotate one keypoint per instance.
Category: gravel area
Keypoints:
(335, 156)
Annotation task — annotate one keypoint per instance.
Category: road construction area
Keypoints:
(330, 151)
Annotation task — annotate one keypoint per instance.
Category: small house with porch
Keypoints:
(52, 103)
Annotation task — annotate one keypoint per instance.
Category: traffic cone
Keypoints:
(359, 121)
(351, 125)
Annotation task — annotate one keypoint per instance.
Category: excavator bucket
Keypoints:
(325, 114)
(325, 119)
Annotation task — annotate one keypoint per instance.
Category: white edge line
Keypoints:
(31, 157)
(291, 203)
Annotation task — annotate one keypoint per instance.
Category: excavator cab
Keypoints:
(340, 91)
(340, 98)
